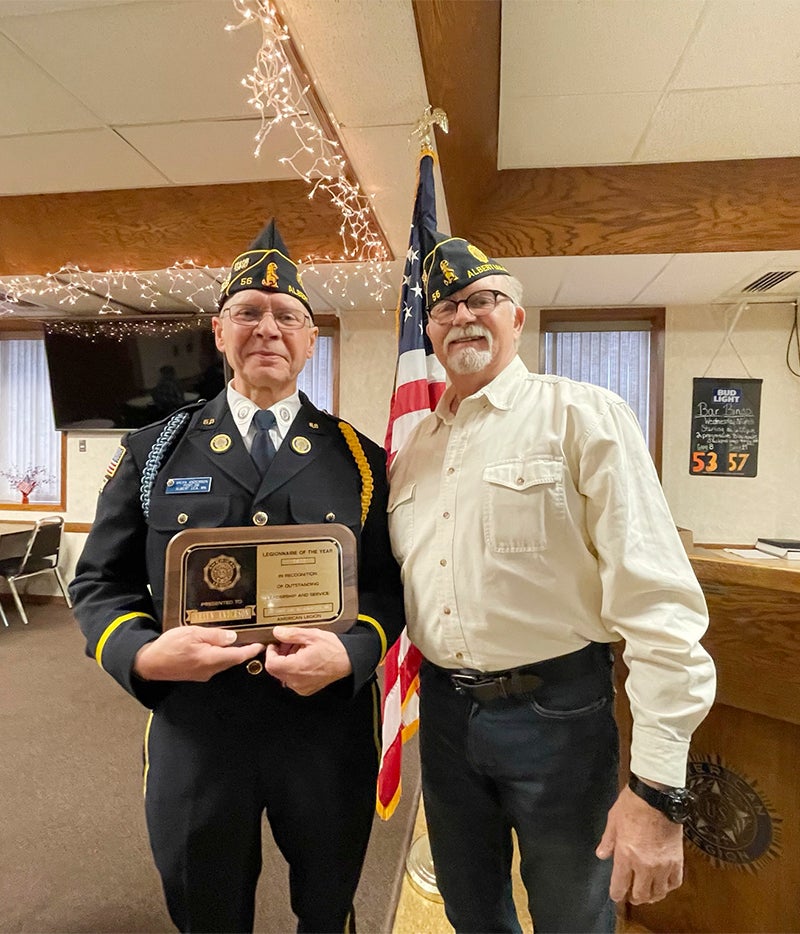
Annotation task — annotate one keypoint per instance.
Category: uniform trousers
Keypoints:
(219, 756)
(543, 763)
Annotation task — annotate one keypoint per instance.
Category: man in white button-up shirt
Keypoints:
(532, 531)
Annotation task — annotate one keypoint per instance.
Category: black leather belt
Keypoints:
(487, 686)
(484, 686)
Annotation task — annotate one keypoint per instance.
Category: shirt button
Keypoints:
(460, 656)
(183, 518)
(446, 611)
(260, 518)
(330, 516)
(443, 562)
(520, 481)
(445, 515)
(254, 667)
(450, 470)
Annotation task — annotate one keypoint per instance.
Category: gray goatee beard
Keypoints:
(469, 359)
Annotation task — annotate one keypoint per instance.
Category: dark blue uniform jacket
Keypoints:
(118, 587)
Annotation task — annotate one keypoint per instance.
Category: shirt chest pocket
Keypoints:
(523, 503)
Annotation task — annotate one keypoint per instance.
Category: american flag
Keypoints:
(419, 383)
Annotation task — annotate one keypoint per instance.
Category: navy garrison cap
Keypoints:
(265, 265)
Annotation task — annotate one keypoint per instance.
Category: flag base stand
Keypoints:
(419, 866)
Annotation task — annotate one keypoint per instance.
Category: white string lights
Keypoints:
(196, 286)
(120, 328)
(278, 96)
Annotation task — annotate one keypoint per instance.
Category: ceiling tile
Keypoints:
(214, 152)
(541, 277)
(364, 58)
(608, 280)
(572, 130)
(10, 8)
(743, 42)
(595, 47)
(179, 289)
(145, 62)
(729, 123)
(89, 160)
(31, 101)
(697, 278)
(348, 287)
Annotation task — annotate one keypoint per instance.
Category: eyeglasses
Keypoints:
(249, 316)
(478, 304)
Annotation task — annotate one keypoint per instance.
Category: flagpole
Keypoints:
(419, 861)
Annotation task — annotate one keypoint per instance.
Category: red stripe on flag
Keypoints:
(419, 384)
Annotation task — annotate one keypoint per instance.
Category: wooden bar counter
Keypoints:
(743, 845)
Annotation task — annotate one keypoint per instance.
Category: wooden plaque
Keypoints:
(253, 579)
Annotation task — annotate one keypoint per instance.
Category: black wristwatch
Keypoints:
(675, 803)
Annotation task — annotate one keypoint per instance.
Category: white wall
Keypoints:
(728, 510)
(717, 509)
(734, 509)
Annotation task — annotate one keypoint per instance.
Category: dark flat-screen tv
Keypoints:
(106, 383)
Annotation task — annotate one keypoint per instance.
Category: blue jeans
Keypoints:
(543, 764)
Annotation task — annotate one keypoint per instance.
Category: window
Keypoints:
(319, 378)
(620, 349)
(31, 450)
(33, 453)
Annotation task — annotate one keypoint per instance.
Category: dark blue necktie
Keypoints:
(263, 450)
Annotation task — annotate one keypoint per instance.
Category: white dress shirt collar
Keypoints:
(243, 410)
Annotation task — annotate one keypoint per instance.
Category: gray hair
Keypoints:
(513, 289)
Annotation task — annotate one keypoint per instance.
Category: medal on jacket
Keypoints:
(220, 443)
(300, 445)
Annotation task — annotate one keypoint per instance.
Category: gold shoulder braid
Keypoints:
(364, 469)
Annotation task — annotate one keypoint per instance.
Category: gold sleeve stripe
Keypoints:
(378, 628)
(146, 769)
(113, 625)
(376, 719)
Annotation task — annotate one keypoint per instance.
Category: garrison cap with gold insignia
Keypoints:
(451, 264)
(265, 265)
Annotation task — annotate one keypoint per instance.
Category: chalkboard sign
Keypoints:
(725, 421)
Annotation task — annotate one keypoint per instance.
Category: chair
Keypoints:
(40, 554)
(13, 546)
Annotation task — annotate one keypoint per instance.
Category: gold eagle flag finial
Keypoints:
(432, 116)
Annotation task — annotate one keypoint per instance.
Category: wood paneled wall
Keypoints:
(151, 228)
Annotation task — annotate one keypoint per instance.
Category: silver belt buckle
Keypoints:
(463, 681)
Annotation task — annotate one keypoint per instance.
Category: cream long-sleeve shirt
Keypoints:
(532, 522)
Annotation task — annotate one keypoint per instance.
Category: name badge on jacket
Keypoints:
(188, 485)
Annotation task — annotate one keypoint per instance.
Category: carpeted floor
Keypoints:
(73, 846)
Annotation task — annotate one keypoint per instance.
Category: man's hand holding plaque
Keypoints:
(306, 660)
(190, 653)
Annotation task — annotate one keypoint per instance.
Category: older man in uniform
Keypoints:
(237, 730)
(532, 531)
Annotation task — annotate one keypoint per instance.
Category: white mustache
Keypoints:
(467, 331)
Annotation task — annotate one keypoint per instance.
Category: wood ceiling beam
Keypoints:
(152, 228)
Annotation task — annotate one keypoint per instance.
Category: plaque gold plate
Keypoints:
(253, 579)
